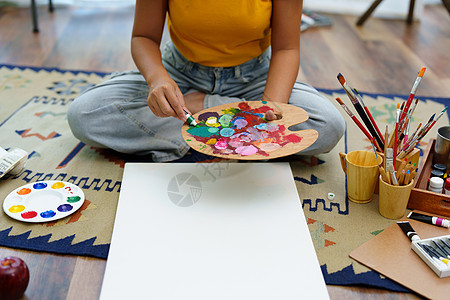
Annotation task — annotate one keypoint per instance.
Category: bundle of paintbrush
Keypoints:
(397, 145)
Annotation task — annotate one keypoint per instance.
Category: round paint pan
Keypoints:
(43, 201)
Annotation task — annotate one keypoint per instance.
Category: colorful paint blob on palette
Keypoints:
(242, 130)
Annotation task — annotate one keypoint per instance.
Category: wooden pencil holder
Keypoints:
(393, 199)
(412, 158)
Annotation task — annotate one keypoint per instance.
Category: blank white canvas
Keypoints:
(211, 231)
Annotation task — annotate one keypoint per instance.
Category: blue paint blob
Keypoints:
(39, 185)
(255, 114)
(65, 207)
(213, 129)
(226, 132)
(48, 214)
(262, 126)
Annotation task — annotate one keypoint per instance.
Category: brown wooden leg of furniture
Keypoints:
(411, 11)
(368, 12)
(447, 5)
(34, 16)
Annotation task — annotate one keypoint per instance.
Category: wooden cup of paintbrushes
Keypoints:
(393, 199)
(398, 150)
(396, 180)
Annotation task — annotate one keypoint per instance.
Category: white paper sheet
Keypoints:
(211, 231)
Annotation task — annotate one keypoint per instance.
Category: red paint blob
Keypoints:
(293, 138)
(262, 110)
(244, 106)
(252, 119)
(29, 214)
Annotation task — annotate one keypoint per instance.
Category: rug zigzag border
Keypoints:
(369, 278)
(62, 246)
(314, 206)
(442, 100)
(83, 182)
(51, 69)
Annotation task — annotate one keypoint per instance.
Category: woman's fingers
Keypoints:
(271, 115)
(176, 101)
(165, 100)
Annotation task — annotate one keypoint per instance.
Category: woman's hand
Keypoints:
(166, 100)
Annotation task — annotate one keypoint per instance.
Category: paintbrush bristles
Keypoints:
(421, 72)
(341, 79)
(347, 110)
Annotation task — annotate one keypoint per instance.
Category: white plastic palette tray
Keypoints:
(211, 231)
(43, 201)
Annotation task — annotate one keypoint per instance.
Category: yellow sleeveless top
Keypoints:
(220, 33)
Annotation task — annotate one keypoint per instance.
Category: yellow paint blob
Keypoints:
(211, 141)
(212, 122)
(58, 185)
(16, 208)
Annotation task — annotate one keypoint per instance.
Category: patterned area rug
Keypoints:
(33, 105)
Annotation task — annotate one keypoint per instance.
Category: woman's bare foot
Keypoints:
(194, 101)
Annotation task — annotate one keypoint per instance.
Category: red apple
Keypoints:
(14, 277)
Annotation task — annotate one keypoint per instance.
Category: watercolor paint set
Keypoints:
(43, 201)
(435, 252)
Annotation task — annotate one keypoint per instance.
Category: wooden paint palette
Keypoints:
(239, 131)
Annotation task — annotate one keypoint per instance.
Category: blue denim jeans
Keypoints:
(114, 114)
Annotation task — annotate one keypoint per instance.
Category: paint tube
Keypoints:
(441, 261)
(190, 119)
(429, 219)
(13, 161)
(408, 230)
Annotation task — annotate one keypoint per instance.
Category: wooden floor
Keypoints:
(380, 57)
